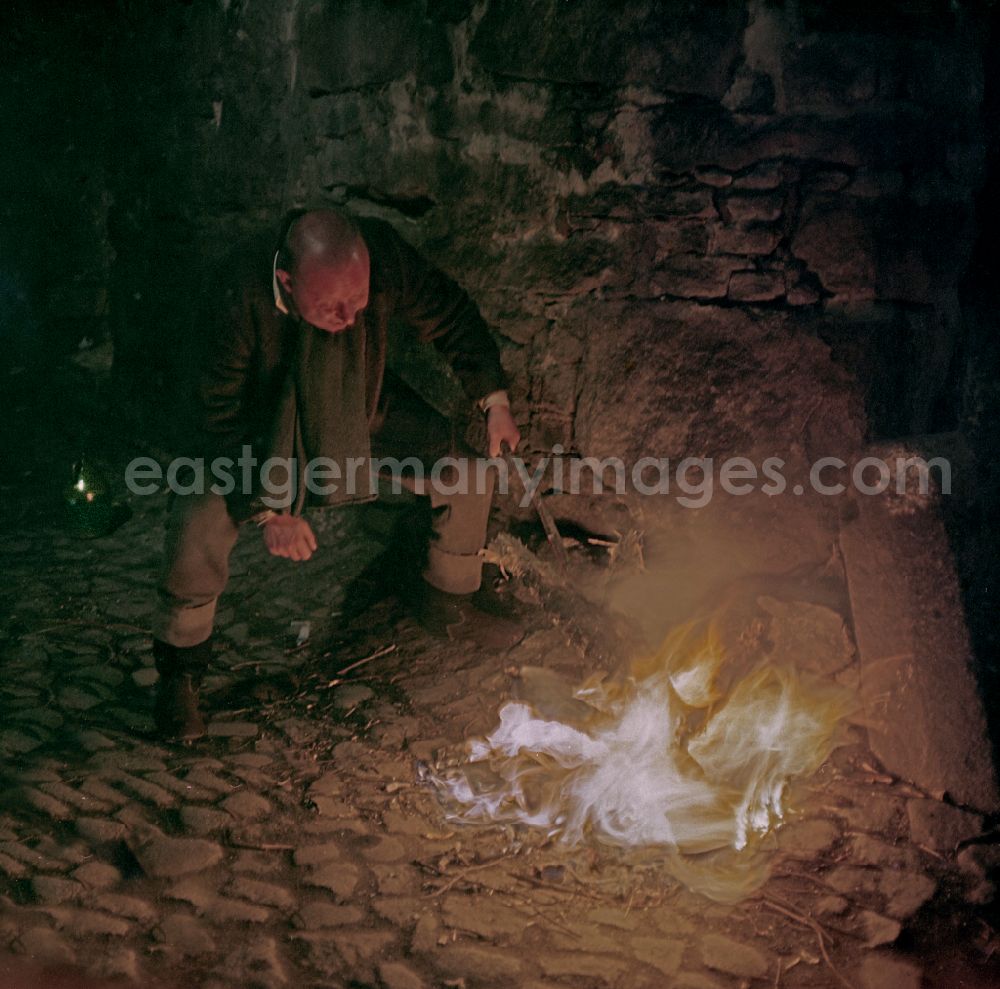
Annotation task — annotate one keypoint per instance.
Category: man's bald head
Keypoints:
(324, 236)
(324, 268)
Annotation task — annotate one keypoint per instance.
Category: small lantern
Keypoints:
(89, 507)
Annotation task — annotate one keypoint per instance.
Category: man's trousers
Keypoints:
(201, 532)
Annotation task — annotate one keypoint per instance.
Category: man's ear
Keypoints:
(285, 279)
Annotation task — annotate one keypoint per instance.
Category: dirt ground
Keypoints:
(298, 845)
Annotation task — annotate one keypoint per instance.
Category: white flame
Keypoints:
(666, 758)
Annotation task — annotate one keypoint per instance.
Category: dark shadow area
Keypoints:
(974, 524)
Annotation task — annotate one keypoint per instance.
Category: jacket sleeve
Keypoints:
(442, 313)
(224, 385)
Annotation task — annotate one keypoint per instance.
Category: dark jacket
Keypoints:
(249, 353)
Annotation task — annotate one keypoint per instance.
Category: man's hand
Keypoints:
(289, 536)
(501, 428)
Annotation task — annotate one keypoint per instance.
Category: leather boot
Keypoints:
(175, 710)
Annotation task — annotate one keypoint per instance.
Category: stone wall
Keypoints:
(696, 227)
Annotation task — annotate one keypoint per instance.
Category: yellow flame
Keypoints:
(692, 751)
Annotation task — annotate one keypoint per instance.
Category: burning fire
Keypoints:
(692, 751)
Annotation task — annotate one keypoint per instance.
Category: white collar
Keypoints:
(279, 302)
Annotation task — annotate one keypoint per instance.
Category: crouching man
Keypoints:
(298, 370)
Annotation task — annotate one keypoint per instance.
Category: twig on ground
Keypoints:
(549, 921)
(566, 891)
(87, 623)
(465, 871)
(809, 922)
(384, 651)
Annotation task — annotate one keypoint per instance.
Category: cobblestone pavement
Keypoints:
(296, 846)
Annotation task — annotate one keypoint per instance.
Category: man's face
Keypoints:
(329, 298)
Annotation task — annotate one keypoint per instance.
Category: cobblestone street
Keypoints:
(298, 846)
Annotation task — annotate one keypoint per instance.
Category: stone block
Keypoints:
(878, 930)
(682, 235)
(577, 965)
(267, 894)
(831, 906)
(246, 805)
(222, 911)
(664, 954)
(766, 175)
(717, 178)
(130, 907)
(358, 947)
(723, 954)
(807, 636)
(100, 830)
(754, 241)
(306, 855)
(866, 849)
(46, 947)
(694, 276)
(88, 923)
(204, 820)
(918, 686)
(261, 960)
(118, 963)
(103, 793)
(765, 207)
(97, 875)
(484, 916)
(146, 791)
(186, 935)
(399, 975)
(163, 857)
(11, 867)
(400, 911)
(43, 803)
(756, 286)
(51, 889)
(318, 914)
(808, 838)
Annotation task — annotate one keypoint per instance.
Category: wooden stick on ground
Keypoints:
(548, 524)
